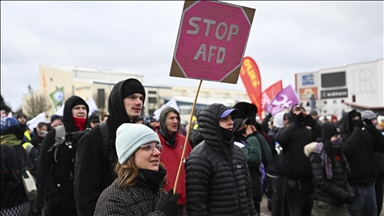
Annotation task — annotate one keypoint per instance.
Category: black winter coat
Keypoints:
(218, 180)
(274, 166)
(293, 139)
(333, 191)
(56, 170)
(95, 167)
(13, 158)
(359, 149)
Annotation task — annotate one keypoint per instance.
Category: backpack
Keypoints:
(107, 147)
(108, 150)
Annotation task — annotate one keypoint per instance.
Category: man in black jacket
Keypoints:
(56, 159)
(94, 163)
(361, 140)
(298, 187)
(218, 179)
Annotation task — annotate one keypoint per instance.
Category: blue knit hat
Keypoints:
(130, 136)
(7, 123)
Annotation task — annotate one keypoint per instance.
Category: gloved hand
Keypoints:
(350, 199)
(359, 124)
(169, 205)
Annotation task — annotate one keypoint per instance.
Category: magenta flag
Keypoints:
(283, 100)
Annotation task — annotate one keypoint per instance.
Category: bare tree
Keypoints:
(36, 104)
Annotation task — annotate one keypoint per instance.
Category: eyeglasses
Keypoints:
(151, 148)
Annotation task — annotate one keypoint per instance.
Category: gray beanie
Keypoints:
(130, 136)
(368, 114)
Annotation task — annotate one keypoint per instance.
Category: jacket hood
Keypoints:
(162, 119)
(116, 108)
(68, 121)
(209, 127)
(345, 121)
(278, 120)
(309, 148)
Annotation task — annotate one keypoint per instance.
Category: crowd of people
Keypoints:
(122, 165)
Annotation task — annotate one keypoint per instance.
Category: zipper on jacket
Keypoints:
(234, 178)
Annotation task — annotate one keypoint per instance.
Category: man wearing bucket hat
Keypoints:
(218, 179)
(139, 187)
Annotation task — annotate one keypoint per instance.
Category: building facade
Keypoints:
(97, 84)
(341, 89)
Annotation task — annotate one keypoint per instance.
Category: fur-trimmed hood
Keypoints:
(310, 148)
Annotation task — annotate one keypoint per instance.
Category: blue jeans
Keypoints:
(365, 203)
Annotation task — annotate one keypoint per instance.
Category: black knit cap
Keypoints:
(329, 130)
(132, 86)
(78, 102)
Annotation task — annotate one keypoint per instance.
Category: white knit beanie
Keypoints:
(130, 136)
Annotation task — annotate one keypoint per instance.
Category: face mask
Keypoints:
(337, 141)
(301, 118)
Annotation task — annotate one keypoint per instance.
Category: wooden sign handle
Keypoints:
(186, 138)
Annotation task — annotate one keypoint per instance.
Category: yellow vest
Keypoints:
(28, 135)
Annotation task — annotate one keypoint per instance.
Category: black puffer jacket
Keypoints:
(218, 180)
(333, 191)
(359, 148)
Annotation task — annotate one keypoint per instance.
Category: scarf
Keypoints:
(226, 134)
(326, 161)
(154, 178)
(170, 141)
(10, 139)
(80, 123)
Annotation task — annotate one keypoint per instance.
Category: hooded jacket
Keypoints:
(94, 171)
(172, 151)
(359, 149)
(56, 178)
(218, 180)
(293, 139)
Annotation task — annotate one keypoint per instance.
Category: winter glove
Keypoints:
(350, 199)
(359, 124)
(369, 126)
(309, 121)
(169, 205)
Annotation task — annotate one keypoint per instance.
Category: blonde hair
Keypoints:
(128, 171)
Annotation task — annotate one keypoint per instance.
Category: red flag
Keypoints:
(269, 93)
(250, 75)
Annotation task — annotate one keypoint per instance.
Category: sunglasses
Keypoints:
(151, 148)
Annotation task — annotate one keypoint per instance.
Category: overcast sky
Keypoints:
(139, 37)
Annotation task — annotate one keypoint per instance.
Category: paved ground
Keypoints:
(266, 212)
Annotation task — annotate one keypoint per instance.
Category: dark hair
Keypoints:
(41, 124)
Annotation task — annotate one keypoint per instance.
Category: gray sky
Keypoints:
(139, 37)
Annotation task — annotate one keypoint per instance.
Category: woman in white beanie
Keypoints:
(138, 189)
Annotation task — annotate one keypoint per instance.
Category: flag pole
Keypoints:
(186, 138)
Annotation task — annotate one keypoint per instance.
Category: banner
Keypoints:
(35, 121)
(250, 75)
(92, 106)
(172, 103)
(283, 100)
(269, 93)
(57, 97)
